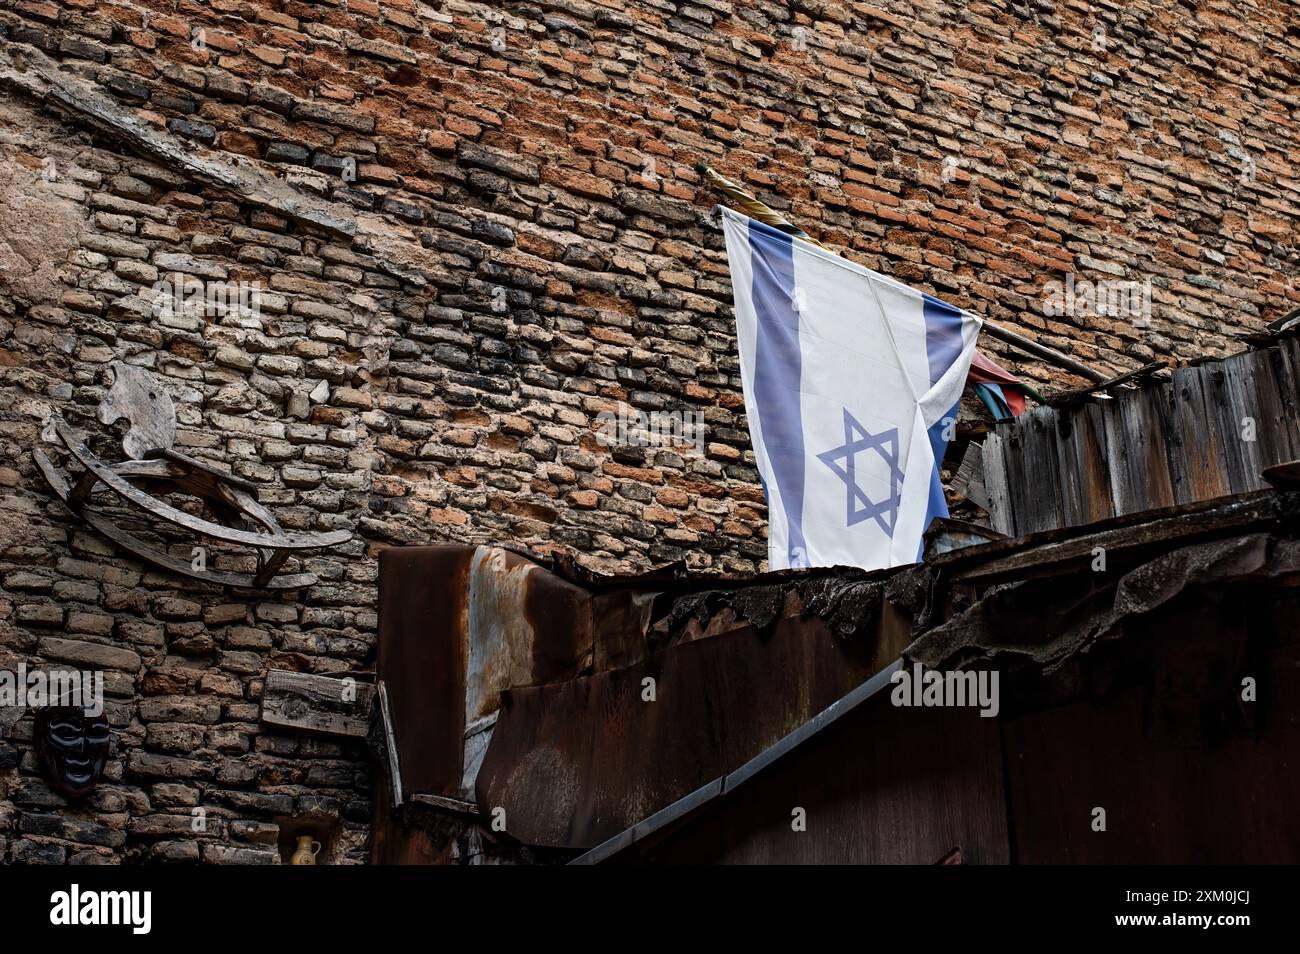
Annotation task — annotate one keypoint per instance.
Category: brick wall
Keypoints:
(476, 230)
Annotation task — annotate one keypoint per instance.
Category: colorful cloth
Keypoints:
(994, 383)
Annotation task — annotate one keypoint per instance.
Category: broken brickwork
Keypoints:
(475, 228)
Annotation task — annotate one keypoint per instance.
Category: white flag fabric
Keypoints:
(852, 382)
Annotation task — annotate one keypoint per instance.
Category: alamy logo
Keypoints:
(77, 907)
(176, 294)
(1112, 298)
(932, 687)
(37, 688)
(632, 427)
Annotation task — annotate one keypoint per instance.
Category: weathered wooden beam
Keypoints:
(170, 453)
(1078, 394)
(1029, 346)
(969, 480)
(455, 806)
(1055, 551)
(270, 566)
(33, 73)
(321, 705)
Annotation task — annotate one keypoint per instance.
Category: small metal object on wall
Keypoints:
(152, 461)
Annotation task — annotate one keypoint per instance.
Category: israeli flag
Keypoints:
(852, 382)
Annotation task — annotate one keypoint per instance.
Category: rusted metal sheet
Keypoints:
(526, 626)
(1149, 725)
(1153, 733)
(646, 695)
(883, 785)
(576, 762)
(1051, 618)
(1206, 433)
(423, 656)
(622, 621)
(1185, 770)
(458, 625)
(945, 535)
(397, 838)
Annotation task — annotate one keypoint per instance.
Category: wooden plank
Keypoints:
(1241, 400)
(1206, 520)
(390, 745)
(993, 455)
(1123, 495)
(1066, 447)
(1041, 496)
(1228, 422)
(1200, 451)
(1240, 511)
(139, 396)
(1267, 371)
(1149, 448)
(1181, 480)
(1013, 461)
(1286, 358)
(1092, 458)
(1286, 379)
(194, 463)
(1145, 425)
(320, 705)
(53, 476)
(969, 481)
(1078, 394)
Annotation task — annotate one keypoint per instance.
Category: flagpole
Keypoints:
(769, 216)
(1029, 346)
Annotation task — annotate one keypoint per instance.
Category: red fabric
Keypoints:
(984, 370)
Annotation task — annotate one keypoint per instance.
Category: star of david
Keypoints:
(858, 506)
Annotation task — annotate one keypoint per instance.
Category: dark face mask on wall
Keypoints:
(73, 748)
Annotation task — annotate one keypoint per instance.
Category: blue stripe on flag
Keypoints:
(777, 373)
(943, 346)
(937, 504)
(942, 335)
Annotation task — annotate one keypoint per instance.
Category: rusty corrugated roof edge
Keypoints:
(687, 805)
(1176, 522)
(675, 576)
(1184, 524)
(1231, 505)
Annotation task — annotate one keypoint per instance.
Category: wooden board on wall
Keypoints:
(1206, 433)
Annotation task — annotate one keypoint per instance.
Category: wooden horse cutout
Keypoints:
(139, 397)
